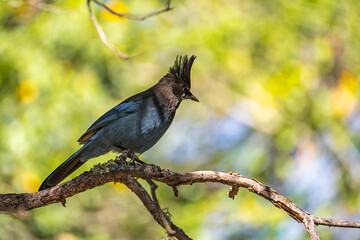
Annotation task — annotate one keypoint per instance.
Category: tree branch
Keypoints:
(135, 17)
(129, 16)
(154, 209)
(311, 228)
(121, 171)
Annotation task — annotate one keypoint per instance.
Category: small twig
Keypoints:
(101, 32)
(153, 208)
(103, 35)
(175, 190)
(335, 223)
(311, 228)
(233, 191)
(136, 17)
(161, 214)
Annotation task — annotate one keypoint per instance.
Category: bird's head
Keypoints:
(179, 76)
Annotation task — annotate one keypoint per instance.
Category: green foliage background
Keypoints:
(278, 83)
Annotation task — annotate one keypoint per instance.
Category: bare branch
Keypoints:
(121, 171)
(335, 223)
(311, 228)
(103, 35)
(233, 191)
(153, 208)
(136, 17)
(164, 221)
(101, 32)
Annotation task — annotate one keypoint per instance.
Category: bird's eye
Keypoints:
(185, 93)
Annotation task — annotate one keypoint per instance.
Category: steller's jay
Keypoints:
(134, 125)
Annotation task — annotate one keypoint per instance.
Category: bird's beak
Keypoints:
(192, 97)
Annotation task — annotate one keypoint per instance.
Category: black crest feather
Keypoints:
(181, 69)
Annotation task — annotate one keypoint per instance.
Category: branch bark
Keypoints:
(121, 171)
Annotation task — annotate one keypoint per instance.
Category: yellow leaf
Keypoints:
(342, 98)
(348, 81)
(30, 182)
(27, 91)
(116, 6)
(121, 188)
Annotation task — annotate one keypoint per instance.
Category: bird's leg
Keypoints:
(124, 155)
(135, 158)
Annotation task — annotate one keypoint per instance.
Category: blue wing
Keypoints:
(117, 112)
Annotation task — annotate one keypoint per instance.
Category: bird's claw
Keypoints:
(133, 157)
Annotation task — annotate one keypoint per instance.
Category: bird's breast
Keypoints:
(142, 129)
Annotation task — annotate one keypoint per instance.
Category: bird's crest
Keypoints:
(181, 69)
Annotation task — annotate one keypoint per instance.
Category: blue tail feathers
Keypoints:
(64, 170)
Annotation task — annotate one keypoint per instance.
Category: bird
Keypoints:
(134, 125)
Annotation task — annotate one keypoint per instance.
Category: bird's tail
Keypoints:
(64, 170)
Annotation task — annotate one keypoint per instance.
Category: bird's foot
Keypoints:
(124, 155)
(133, 157)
